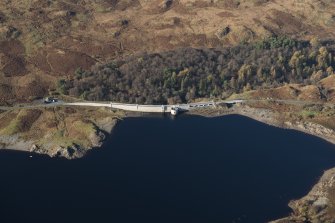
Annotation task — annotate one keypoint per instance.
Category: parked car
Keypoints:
(48, 100)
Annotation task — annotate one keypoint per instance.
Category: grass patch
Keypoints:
(22, 122)
(84, 128)
(244, 95)
(12, 128)
(76, 132)
(101, 8)
(58, 138)
(308, 114)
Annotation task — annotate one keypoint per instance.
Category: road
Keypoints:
(121, 106)
(148, 108)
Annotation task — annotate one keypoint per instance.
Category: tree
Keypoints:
(330, 71)
(61, 85)
(202, 87)
(190, 73)
(233, 83)
(297, 59)
(273, 72)
(317, 76)
(322, 58)
(79, 73)
(315, 42)
(297, 62)
(247, 87)
(191, 94)
(244, 73)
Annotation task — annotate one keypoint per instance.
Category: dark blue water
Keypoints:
(192, 169)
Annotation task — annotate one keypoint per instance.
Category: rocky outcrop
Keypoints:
(15, 143)
(221, 33)
(167, 4)
(107, 124)
(270, 117)
(71, 138)
(73, 151)
(314, 207)
(70, 152)
(313, 129)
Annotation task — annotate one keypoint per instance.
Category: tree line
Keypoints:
(185, 74)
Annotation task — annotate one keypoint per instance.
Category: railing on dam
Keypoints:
(142, 108)
(153, 108)
(160, 108)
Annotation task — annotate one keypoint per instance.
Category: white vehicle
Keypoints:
(48, 100)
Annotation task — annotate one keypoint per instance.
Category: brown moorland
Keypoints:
(42, 41)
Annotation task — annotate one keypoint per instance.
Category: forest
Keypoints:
(183, 75)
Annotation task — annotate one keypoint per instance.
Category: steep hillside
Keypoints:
(41, 41)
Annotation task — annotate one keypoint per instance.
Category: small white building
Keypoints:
(174, 110)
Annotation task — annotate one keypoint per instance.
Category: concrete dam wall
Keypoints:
(142, 108)
(152, 108)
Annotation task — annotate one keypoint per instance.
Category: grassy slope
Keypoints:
(56, 127)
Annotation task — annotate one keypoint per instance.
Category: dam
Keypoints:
(154, 108)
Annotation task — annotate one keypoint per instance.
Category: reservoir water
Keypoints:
(155, 169)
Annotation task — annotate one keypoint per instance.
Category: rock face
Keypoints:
(14, 142)
(97, 138)
(73, 151)
(313, 128)
(70, 152)
(221, 33)
(167, 4)
(107, 124)
(314, 207)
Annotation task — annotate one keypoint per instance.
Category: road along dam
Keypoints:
(152, 108)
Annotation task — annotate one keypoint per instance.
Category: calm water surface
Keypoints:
(154, 169)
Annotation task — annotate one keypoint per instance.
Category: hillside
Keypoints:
(278, 55)
(44, 41)
(187, 74)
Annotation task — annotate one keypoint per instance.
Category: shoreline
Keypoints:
(265, 116)
(268, 117)
(313, 207)
(315, 199)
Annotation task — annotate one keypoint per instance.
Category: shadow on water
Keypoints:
(154, 169)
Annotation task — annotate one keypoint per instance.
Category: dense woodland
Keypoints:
(185, 74)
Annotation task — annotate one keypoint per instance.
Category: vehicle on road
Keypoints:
(49, 100)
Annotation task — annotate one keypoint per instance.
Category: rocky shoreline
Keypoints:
(269, 117)
(317, 204)
(314, 207)
(105, 126)
(311, 208)
(74, 151)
